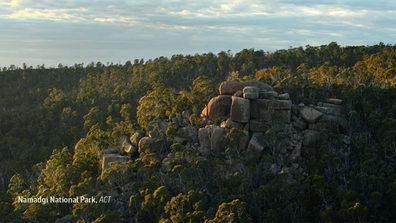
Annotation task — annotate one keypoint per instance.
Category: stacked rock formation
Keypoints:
(271, 123)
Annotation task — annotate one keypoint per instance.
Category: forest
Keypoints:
(55, 122)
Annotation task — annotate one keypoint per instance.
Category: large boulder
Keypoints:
(107, 158)
(260, 107)
(335, 101)
(257, 143)
(129, 148)
(250, 92)
(136, 137)
(204, 135)
(271, 94)
(216, 144)
(218, 107)
(330, 109)
(240, 110)
(284, 96)
(230, 87)
(210, 138)
(310, 115)
(275, 110)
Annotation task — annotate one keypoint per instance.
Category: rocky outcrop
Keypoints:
(268, 122)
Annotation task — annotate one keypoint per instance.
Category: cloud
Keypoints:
(125, 29)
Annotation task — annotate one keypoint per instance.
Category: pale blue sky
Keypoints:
(69, 31)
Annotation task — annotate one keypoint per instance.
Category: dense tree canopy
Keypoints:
(54, 122)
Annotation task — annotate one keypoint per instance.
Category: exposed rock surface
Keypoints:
(129, 148)
(310, 115)
(284, 96)
(210, 138)
(135, 138)
(240, 110)
(271, 110)
(238, 94)
(330, 109)
(216, 144)
(231, 124)
(218, 107)
(335, 101)
(251, 92)
(189, 133)
(261, 107)
(272, 94)
(107, 158)
(257, 143)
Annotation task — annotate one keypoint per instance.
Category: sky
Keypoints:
(50, 32)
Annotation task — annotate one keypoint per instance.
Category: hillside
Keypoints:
(58, 124)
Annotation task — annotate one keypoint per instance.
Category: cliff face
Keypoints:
(267, 122)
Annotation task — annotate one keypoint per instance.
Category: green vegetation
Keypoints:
(55, 122)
